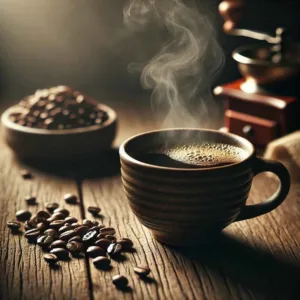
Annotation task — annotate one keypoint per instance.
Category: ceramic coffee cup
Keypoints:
(183, 206)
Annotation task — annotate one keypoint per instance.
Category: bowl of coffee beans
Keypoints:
(58, 122)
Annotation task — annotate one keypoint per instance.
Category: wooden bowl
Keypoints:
(59, 143)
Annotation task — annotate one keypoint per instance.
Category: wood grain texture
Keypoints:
(24, 273)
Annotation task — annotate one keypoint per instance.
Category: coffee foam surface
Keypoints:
(206, 154)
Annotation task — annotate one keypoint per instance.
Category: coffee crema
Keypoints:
(195, 155)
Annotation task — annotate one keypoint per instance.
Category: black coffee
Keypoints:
(194, 155)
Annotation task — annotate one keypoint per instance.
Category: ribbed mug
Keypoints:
(184, 206)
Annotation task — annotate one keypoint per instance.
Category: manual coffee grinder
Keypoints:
(264, 104)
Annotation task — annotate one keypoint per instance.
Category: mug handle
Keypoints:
(255, 210)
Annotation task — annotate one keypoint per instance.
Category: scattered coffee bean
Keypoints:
(142, 270)
(45, 241)
(81, 230)
(23, 215)
(75, 225)
(101, 236)
(58, 244)
(26, 174)
(32, 233)
(96, 223)
(71, 220)
(108, 230)
(75, 238)
(127, 244)
(65, 236)
(103, 243)
(62, 211)
(94, 210)
(114, 249)
(56, 216)
(34, 220)
(57, 224)
(30, 200)
(111, 238)
(28, 225)
(89, 237)
(51, 231)
(94, 251)
(96, 228)
(88, 223)
(74, 246)
(64, 228)
(41, 226)
(70, 199)
(43, 214)
(101, 262)
(120, 281)
(13, 225)
(52, 206)
(61, 253)
(50, 258)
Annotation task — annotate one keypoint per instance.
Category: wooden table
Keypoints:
(254, 259)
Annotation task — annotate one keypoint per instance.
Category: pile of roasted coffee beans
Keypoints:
(60, 235)
(58, 108)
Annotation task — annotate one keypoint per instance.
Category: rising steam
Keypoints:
(182, 72)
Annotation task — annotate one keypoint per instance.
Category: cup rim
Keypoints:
(124, 155)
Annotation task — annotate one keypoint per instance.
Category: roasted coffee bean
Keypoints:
(75, 238)
(65, 236)
(103, 243)
(81, 230)
(28, 225)
(57, 224)
(56, 216)
(51, 206)
(75, 225)
(101, 262)
(26, 174)
(43, 214)
(94, 251)
(30, 200)
(32, 233)
(101, 236)
(108, 230)
(70, 199)
(114, 249)
(142, 270)
(112, 238)
(34, 220)
(23, 215)
(88, 223)
(62, 211)
(61, 253)
(41, 226)
(51, 231)
(71, 220)
(74, 246)
(127, 244)
(13, 225)
(50, 258)
(94, 228)
(89, 237)
(94, 210)
(45, 240)
(120, 281)
(58, 244)
(96, 223)
(64, 228)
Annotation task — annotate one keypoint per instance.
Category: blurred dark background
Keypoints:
(84, 44)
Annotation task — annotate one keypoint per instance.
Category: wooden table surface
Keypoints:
(253, 259)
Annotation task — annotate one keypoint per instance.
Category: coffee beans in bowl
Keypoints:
(58, 122)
